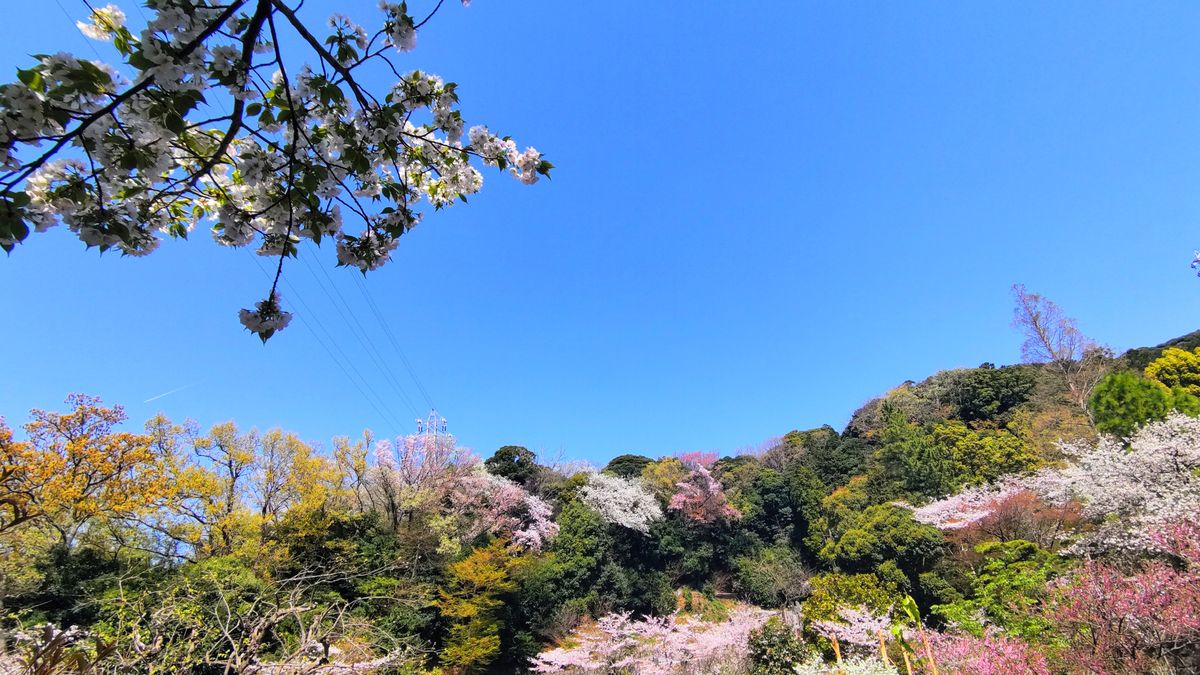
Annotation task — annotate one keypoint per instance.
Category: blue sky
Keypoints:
(764, 214)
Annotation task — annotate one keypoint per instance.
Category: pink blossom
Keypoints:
(992, 654)
(857, 630)
(654, 645)
(701, 498)
(486, 503)
(698, 458)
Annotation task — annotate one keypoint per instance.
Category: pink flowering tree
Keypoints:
(696, 458)
(205, 116)
(426, 481)
(483, 503)
(656, 645)
(417, 473)
(992, 654)
(1117, 621)
(700, 497)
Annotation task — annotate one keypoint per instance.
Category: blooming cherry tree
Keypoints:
(857, 629)
(429, 474)
(1137, 489)
(700, 497)
(485, 503)
(1121, 622)
(621, 501)
(420, 470)
(1130, 489)
(655, 645)
(992, 654)
(207, 119)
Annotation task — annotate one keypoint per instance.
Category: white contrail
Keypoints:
(177, 389)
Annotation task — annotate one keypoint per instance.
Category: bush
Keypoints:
(775, 577)
(834, 592)
(774, 649)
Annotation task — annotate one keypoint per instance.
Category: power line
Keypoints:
(346, 365)
(387, 329)
(361, 333)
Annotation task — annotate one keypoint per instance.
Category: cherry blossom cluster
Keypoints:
(1116, 621)
(654, 645)
(421, 469)
(429, 472)
(969, 506)
(852, 665)
(992, 654)
(1129, 490)
(1135, 490)
(620, 501)
(205, 122)
(483, 502)
(700, 497)
(266, 318)
(856, 630)
(696, 458)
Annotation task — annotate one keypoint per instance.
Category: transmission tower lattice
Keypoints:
(433, 425)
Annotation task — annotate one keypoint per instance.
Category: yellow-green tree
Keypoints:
(662, 476)
(472, 600)
(1177, 368)
(984, 455)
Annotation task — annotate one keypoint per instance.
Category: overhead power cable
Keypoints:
(350, 317)
(345, 364)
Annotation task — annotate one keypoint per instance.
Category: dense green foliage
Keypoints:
(1123, 402)
(627, 466)
(515, 463)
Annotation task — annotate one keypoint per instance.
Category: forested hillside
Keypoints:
(1032, 518)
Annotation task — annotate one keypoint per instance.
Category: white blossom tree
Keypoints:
(621, 501)
(1136, 490)
(1129, 490)
(207, 119)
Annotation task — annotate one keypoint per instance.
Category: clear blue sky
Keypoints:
(764, 214)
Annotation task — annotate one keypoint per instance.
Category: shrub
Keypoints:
(774, 649)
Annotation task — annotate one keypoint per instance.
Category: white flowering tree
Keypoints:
(206, 119)
(1136, 490)
(1130, 491)
(621, 501)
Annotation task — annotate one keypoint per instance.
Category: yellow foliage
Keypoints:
(1043, 430)
(662, 476)
(1177, 368)
(472, 600)
(77, 469)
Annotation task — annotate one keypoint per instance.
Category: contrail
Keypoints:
(177, 389)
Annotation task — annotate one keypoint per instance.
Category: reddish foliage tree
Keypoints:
(1017, 516)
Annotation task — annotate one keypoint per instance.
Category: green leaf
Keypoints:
(138, 60)
(174, 123)
(32, 79)
(910, 609)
